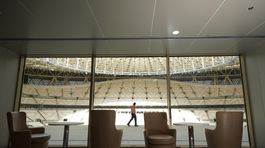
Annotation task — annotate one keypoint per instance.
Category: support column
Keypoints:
(168, 90)
(20, 80)
(91, 96)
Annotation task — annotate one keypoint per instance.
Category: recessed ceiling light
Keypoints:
(176, 32)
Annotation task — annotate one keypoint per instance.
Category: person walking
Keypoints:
(133, 113)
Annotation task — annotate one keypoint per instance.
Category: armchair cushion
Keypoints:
(37, 130)
(157, 132)
(38, 138)
(161, 139)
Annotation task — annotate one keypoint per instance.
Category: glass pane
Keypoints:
(119, 82)
(57, 89)
(201, 86)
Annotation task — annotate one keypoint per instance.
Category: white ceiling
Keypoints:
(132, 27)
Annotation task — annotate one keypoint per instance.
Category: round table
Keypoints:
(66, 125)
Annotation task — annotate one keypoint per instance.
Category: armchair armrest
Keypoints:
(172, 132)
(20, 138)
(117, 138)
(118, 134)
(209, 137)
(37, 130)
(209, 132)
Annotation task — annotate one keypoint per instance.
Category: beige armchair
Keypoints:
(228, 131)
(23, 137)
(156, 131)
(103, 131)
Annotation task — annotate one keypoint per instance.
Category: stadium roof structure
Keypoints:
(135, 65)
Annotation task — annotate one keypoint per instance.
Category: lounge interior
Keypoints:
(162, 54)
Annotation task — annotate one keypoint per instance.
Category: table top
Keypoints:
(59, 123)
(191, 123)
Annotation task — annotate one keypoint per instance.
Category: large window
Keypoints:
(57, 89)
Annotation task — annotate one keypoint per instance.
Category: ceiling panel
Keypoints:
(60, 18)
(170, 46)
(14, 20)
(128, 44)
(178, 46)
(223, 46)
(188, 17)
(248, 45)
(135, 47)
(53, 48)
(124, 18)
(259, 30)
(234, 18)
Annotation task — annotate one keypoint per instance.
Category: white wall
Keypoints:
(255, 71)
(9, 63)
